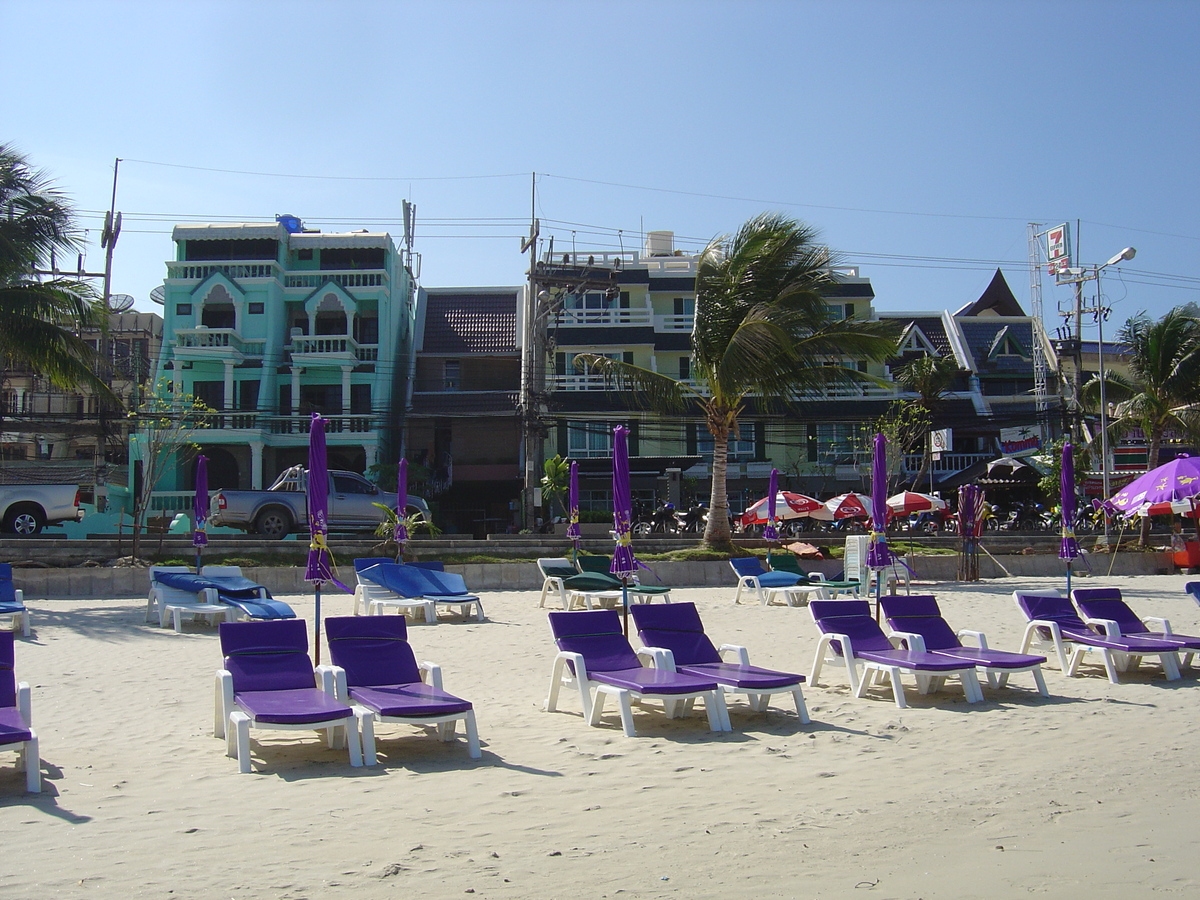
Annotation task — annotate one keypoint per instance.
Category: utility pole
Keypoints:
(112, 230)
(532, 373)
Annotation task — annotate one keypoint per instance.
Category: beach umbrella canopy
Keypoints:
(1006, 465)
(1177, 480)
(624, 564)
(1069, 548)
(1186, 507)
(788, 505)
(573, 534)
(319, 567)
(907, 502)
(769, 532)
(849, 506)
(400, 536)
(970, 510)
(879, 555)
(200, 505)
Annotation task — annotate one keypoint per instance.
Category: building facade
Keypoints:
(267, 323)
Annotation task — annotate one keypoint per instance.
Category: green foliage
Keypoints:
(1050, 484)
(906, 426)
(556, 481)
(595, 516)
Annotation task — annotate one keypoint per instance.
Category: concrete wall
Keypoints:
(100, 583)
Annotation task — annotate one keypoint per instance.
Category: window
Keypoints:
(248, 394)
(451, 375)
(360, 399)
(210, 393)
(685, 368)
(585, 439)
(306, 254)
(260, 248)
(685, 306)
(353, 258)
(368, 330)
(218, 315)
(183, 309)
(743, 448)
(839, 442)
(346, 484)
(256, 309)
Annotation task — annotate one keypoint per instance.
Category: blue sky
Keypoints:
(921, 138)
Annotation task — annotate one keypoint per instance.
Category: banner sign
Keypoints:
(1019, 440)
(1058, 250)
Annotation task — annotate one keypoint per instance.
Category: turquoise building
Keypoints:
(267, 323)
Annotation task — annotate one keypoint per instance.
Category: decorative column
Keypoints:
(256, 458)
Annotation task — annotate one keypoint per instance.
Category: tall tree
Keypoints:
(1162, 392)
(762, 331)
(40, 319)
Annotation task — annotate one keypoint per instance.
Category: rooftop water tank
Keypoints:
(660, 243)
(291, 224)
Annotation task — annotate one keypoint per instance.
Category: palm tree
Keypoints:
(40, 320)
(1162, 391)
(762, 330)
(929, 377)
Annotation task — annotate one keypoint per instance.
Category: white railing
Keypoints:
(204, 338)
(950, 462)
(604, 317)
(346, 279)
(674, 323)
(333, 424)
(333, 345)
(199, 271)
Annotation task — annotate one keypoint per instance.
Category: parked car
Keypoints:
(26, 509)
(282, 508)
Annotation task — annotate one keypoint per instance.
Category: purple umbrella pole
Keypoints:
(1069, 550)
(200, 511)
(400, 536)
(319, 567)
(769, 532)
(573, 534)
(624, 564)
(879, 555)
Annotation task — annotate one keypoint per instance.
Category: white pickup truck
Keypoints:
(26, 509)
(283, 507)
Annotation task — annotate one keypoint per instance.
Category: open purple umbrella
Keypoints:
(200, 510)
(573, 534)
(1175, 480)
(769, 532)
(400, 535)
(1069, 549)
(624, 564)
(320, 564)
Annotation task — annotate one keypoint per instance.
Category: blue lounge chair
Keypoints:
(12, 601)
(418, 583)
(766, 585)
(251, 599)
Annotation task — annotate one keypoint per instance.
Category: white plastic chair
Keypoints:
(165, 600)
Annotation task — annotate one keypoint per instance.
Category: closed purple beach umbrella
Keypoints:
(573, 534)
(879, 554)
(320, 566)
(1069, 549)
(623, 563)
(769, 532)
(200, 510)
(400, 536)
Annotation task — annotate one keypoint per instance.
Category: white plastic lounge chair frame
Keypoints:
(854, 563)
(165, 600)
(793, 595)
(30, 758)
(567, 597)
(758, 699)
(1070, 653)
(20, 618)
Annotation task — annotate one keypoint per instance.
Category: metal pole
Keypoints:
(108, 251)
(1103, 399)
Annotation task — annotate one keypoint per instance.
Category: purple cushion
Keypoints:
(409, 700)
(13, 729)
(993, 659)
(373, 650)
(894, 605)
(746, 678)
(911, 659)
(653, 681)
(291, 707)
(937, 633)
(8, 679)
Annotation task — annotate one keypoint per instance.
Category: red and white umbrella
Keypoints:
(912, 501)
(1184, 507)
(849, 506)
(788, 505)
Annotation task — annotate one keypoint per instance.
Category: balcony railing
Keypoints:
(215, 343)
(346, 279)
(190, 271)
(359, 424)
(331, 348)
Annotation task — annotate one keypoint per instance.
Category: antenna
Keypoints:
(158, 295)
(121, 302)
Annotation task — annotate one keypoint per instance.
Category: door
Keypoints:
(351, 500)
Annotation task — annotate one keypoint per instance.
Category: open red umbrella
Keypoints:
(907, 502)
(788, 505)
(849, 506)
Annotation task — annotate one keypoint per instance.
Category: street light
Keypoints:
(1127, 253)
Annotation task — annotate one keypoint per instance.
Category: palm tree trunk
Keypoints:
(716, 530)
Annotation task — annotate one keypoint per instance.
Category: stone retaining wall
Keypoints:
(105, 583)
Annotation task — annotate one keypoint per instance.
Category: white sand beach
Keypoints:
(1091, 792)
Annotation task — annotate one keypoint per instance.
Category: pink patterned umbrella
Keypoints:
(788, 505)
(849, 506)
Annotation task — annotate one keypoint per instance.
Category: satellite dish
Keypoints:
(120, 302)
(158, 295)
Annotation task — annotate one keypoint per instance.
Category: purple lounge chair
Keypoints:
(917, 621)
(268, 682)
(593, 655)
(850, 636)
(1053, 623)
(1104, 608)
(16, 730)
(374, 667)
(676, 635)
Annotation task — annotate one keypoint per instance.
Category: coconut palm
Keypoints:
(929, 377)
(40, 320)
(1162, 391)
(762, 330)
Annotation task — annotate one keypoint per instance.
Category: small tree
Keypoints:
(555, 482)
(165, 425)
(905, 426)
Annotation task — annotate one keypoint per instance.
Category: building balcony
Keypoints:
(629, 318)
(330, 350)
(334, 425)
(301, 282)
(225, 344)
(236, 271)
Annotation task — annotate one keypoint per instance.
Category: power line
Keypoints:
(151, 162)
